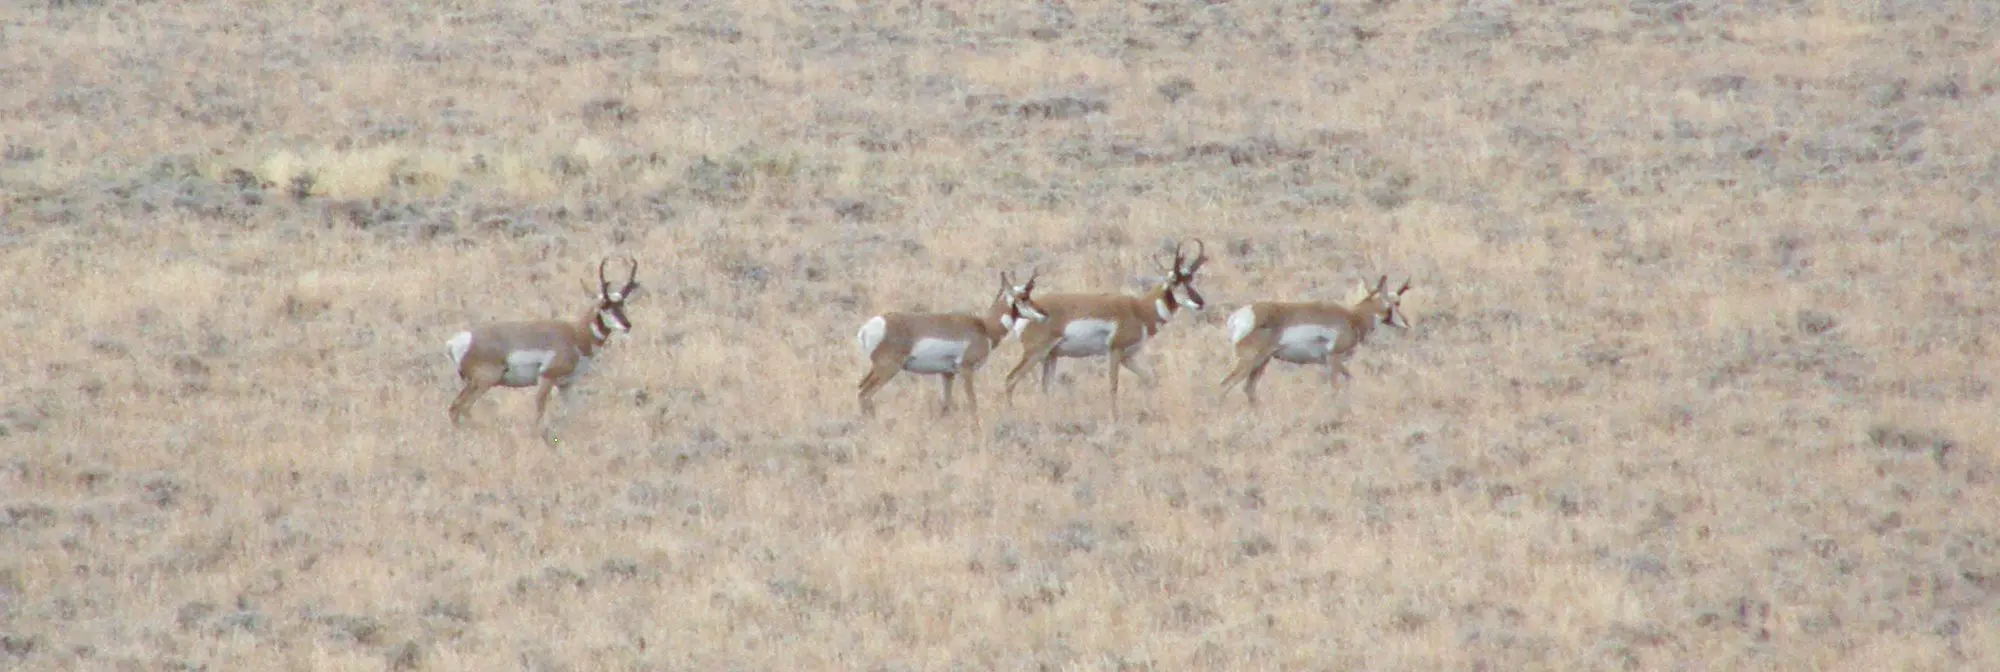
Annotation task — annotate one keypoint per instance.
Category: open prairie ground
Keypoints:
(1700, 376)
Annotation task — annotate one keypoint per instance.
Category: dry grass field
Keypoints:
(1700, 373)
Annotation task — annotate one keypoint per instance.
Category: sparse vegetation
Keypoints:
(1700, 371)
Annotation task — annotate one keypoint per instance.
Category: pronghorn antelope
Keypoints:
(545, 354)
(1115, 325)
(945, 344)
(1307, 333)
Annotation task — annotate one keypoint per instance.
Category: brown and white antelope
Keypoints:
(545, 354)
(1113, 325)
(948, 345)
(1307, 333)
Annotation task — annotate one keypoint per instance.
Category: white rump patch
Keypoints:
(459, 344)
(1307, 343)
(935, 355)
(1087, 338)
(1240, 323)
(871, 334)
(524, 367)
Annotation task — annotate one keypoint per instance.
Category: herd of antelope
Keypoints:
(550, 355)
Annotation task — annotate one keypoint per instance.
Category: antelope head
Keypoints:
(1386, 305)
(611, 300)
(1015, 304)
(1179, 284)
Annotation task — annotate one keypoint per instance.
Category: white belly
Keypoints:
(1086, 338)
(524, 367)
(933, 355)
(1307, 343)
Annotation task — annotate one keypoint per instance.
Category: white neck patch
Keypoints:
(1160, 305)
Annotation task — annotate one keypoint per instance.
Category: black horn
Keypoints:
(631, 276)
